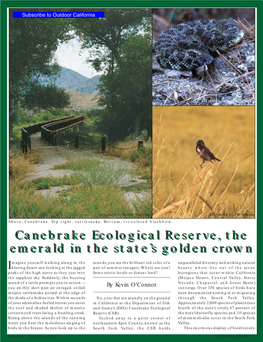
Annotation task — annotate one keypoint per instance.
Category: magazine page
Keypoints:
(131, 171)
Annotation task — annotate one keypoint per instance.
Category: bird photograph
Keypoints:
(223, 185)
(204, 152)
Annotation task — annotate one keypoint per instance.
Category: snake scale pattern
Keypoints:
(188, 46)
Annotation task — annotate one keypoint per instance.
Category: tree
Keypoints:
(44, 97)
(130, 87)
(32, 43)
(136, 83)
(104, 37)
(119, 45)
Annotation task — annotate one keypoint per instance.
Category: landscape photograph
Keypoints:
(80, 115)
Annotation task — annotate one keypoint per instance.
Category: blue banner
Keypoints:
(58, 15)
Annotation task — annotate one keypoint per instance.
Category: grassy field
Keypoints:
(128, 150)
(93, 190)
(80, 201)
(219, 190)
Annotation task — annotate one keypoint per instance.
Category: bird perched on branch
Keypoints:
(204, 152)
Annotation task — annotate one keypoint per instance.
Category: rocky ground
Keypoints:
(229, 82)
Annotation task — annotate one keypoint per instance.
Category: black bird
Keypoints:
(204, 152)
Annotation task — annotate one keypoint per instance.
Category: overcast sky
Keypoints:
(70, 56)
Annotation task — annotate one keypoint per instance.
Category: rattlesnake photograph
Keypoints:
(203, 57)
(190, 45)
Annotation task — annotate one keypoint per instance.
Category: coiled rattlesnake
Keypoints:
(190, 45)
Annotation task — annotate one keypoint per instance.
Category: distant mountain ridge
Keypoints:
(72, 80)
